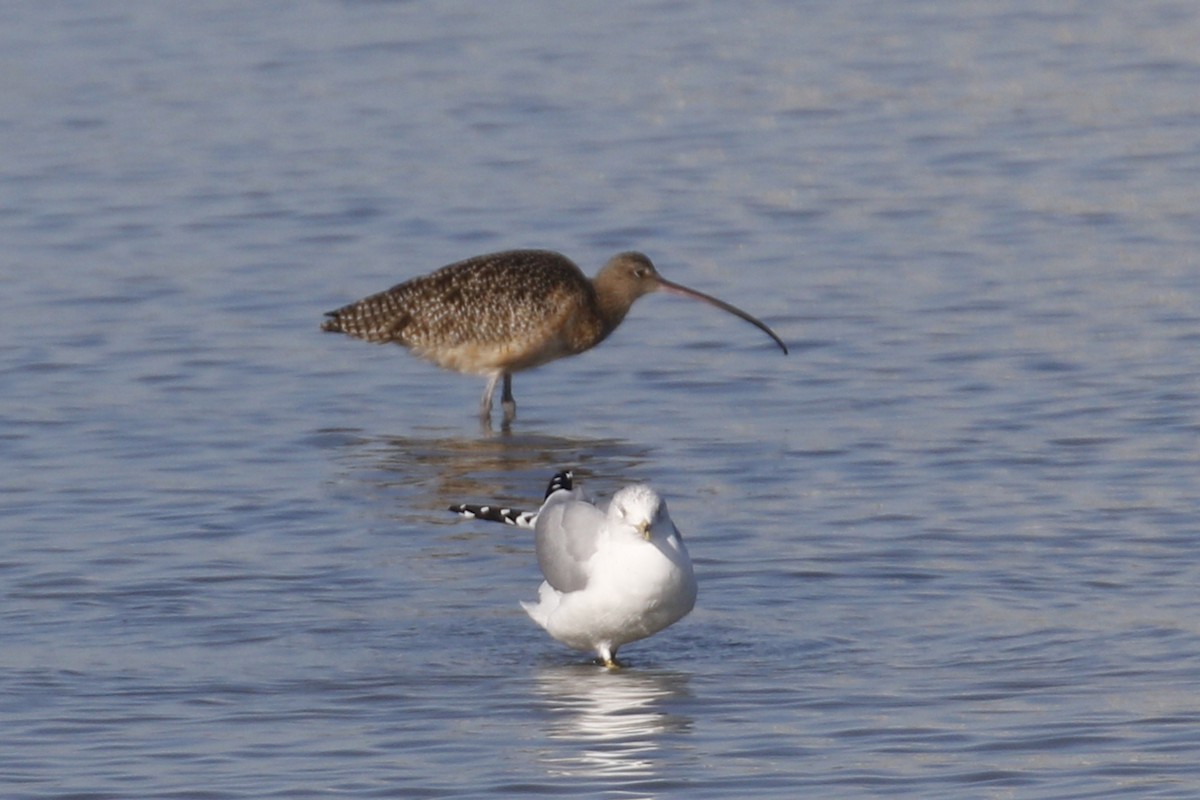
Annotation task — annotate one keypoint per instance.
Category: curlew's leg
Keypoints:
(507, 400)
(485, 404)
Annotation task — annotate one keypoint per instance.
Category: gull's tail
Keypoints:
(548, 601)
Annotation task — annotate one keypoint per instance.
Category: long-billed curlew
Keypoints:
(504, 312)
(612, 577)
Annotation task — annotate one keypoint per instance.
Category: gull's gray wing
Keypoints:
(565, 536)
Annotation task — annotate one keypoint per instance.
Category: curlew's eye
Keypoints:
(640, 272)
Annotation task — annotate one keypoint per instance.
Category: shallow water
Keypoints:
(946, 548)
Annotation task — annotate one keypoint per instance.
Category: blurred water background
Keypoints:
(946, 548)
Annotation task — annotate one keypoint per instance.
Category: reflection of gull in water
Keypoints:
(617, 719)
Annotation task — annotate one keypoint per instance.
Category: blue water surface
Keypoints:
(947, 548)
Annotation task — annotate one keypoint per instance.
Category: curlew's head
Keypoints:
(628, 276)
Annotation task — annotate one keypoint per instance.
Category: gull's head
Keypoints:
(640, 508)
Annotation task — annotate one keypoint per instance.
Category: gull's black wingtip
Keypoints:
(561, 480)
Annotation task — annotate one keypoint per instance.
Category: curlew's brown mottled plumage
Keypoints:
(505, 312)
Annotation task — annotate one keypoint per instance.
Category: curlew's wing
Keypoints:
(485, 300)
(502, 312)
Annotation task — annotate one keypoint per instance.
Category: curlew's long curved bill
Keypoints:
(683, 291)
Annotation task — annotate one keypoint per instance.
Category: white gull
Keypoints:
(612, 577)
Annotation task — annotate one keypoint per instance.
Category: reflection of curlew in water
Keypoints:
(616, 720)
(425, 474)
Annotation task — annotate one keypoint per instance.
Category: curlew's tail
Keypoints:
(379, 318)
(509, 516)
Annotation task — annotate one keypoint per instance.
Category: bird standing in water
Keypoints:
(612, 577)
(501, 313)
